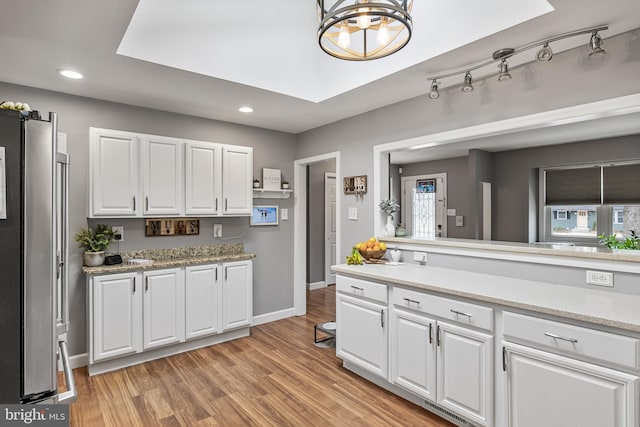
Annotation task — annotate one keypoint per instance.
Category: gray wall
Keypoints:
(570, 79)
(315, 219)
(273, 245)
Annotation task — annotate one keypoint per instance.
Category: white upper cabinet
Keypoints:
(203, 178)
(134, 175)
(114, 178)
(237, 178)
(163, 176)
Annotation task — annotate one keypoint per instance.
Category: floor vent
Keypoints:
(446, 414)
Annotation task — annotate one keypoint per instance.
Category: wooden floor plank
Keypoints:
(275, 377)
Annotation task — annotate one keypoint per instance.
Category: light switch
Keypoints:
(353, 214)
(284, 214)
(451, 212)
(217, 230)
(459, 221)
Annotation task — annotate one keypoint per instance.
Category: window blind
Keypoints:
(572, 186)
(621, 184)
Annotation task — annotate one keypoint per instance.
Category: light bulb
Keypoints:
(383, 32)
(344, 38)
(364, 20)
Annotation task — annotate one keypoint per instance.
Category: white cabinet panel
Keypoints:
(413, 357)
(114, 177)
(163, 307)
(116, 316)
(361, 335)
(203, 176)
(549, 390)
(465, 363)
(237, 295)
(237, 181)
(202, 300)
(163, 176)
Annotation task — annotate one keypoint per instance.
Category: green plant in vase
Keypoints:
(95, 243)
(613, 242)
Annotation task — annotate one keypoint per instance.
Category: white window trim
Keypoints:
(566, 217)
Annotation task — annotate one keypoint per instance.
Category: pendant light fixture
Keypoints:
(362, 30)
(544, 54)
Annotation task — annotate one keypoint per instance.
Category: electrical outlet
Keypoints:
(284, 214)
(420, 256)
(459, 221)
(118, 233)
(217, 230)
(600, 278)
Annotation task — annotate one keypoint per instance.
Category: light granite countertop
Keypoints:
(174, 257)
(551, 249)
(611, 309)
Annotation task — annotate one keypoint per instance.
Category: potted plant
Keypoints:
(256, 183)
(613, 242)
(389, 207)
(94, 243)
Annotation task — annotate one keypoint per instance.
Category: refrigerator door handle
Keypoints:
(71, 394)
(3, 185)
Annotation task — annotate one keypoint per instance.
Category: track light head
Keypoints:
(434, 90)
(595, 45)
(544, 54)
(467, 87)
(504, 71)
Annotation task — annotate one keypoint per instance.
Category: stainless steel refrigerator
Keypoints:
(33, 260)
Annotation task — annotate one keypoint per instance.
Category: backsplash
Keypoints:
(186, 252)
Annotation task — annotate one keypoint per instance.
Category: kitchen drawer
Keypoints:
(461, 312)
(362, 288)
(598, 345)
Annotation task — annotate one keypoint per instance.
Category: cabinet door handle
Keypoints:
(438, 336)
(226, 204)
(146, 203)
(134, 203)
(430, 333)
(355, 289)
(461, 313)
(216, 274)
(412, 301)
(216, 205)
(382, 318)
(225, 274)
(134, 284)
(504, 359)
(146, 284)
(558, 337)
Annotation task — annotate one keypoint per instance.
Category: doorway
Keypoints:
(300, 226)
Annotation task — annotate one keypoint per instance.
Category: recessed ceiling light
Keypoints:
(70, 74)
(245, 109)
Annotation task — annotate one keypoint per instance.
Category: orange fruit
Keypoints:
(376, 248)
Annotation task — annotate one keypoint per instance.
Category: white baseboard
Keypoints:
(273, 316)
(316, 285)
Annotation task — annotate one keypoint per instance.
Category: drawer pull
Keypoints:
(410, 301)
(558, 337)
(461, 313)
(355, 288)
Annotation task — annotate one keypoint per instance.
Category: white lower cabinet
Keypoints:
(116, 316)
(362, 333)
(545, 389)
(163, 308)
(203, 293)
(131, 313)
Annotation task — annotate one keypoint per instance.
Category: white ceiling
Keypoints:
(179, 46)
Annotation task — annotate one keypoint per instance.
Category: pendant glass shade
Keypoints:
(504, 71)
(373, 28)
(595, 44)
(434, 90)
(467, 87)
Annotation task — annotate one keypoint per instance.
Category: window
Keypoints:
(582, 202)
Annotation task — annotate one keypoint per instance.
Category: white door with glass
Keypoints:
(424, 205)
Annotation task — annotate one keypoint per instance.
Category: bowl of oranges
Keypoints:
(372, 249)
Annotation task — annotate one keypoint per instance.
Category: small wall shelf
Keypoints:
(259, 193)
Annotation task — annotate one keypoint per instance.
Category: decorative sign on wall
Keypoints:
(355, 184)
(172, 226)
(271, 179)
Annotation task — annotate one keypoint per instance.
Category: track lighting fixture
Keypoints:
(434, 90)
(504, 71)
(544, 54)
(595, 44)
(467, 86)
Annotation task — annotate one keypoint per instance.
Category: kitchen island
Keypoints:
(490, 349)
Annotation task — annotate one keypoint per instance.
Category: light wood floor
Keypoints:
(275, 377)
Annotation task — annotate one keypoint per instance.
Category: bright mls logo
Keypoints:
(38, 415)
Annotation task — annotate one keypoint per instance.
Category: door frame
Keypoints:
(300, 227)
(327, 224)
(403, 200)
